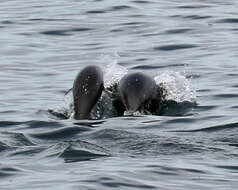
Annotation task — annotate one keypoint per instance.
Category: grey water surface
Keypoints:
(43, 46)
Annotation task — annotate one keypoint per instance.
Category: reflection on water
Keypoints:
(186, 45)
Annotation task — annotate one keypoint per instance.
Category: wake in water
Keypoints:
(177, 96)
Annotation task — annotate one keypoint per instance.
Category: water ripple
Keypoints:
(9, 171)
(198, 6)
(174, 47)
(119, 182)
(227, 20)
(61, 133)
(215, 128)
(14, 139)
(81, 151)
(197, 17)
(151, 67)
(26, 152)
(120, 7)
(64, 32)
(178, 31)
(141, 2)
(4, 147)
(96, 12)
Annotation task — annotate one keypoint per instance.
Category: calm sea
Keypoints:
(44, 44)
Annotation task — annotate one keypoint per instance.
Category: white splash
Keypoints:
(68, 103)
(135, 113)
(113, 73)
(178, 87)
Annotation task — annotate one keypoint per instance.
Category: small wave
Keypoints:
(119, 182)
(96, 12)
(47, 19)
(141, 2)
(26, 151)
(120, 7)
(146, 67)
(4, 147)
(173, 108)
(134, 24)
(228, 20)
(9, 171)
(7, 22)
(90, 124)
(65, 32)
(198, 6)
(174, 47)
(56, 32)
(178, 31)
(231, 168)
(73, 155)
(226, 95)
(81, 151)
(206, 108)
(191, 17)
(215, 128)
(42, 124)
(135, 144)
(61, 133)
(196, 17)
(14, 139)
(10, 123)
(149, 67)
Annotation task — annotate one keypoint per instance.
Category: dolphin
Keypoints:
(87, 89)
(139, 92)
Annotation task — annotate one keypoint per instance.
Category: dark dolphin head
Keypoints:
(135, 89)
(87, 89)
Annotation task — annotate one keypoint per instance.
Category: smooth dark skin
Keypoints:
(87, 89)
(136, 90)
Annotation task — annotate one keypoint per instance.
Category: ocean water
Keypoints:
(191, 46)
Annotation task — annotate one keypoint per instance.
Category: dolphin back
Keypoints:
(135, 89)
(87, 89)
